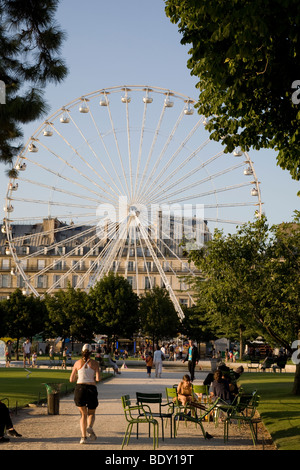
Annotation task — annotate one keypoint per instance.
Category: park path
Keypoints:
(41, 431)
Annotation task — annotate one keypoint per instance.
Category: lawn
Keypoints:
(278, 408)
(27, 386)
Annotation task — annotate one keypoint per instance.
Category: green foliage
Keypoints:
(245, 55)
(29, 59)
(115, 306)
(24, 315)
(70, 315)
(252, 281)
(159, 318)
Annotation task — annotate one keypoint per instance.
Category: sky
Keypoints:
(121, 43)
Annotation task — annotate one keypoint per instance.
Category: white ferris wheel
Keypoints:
(122, 173)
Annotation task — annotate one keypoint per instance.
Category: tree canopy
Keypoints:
(246, 56)
(29, 59)
(251, 281)
(159, 318)
(115, 306)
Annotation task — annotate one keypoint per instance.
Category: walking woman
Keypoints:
(87, 373)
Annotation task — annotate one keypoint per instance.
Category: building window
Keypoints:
(131, 281)
(41, 281)
(130, 266)
(5, 264)
(5, 280)
(41, 264)
(147, 266)
(57, 281)
(20, 282)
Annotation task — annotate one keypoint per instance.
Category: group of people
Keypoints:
(156, 360)
(86, 373)
(26, 350)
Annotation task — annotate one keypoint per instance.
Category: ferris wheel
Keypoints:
(115, 180)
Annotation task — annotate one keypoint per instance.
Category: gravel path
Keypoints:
(41, 431)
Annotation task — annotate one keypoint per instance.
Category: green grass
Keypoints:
(278, 408)
(18, 386)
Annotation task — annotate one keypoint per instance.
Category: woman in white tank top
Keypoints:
(86, 373)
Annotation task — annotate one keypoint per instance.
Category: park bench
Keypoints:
(253, 364)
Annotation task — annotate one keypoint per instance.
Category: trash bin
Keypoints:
(53, 395)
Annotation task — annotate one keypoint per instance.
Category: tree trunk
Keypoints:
(241, 344)
(296, 386)
(17, 349)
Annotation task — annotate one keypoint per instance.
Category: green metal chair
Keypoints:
(200, 389)
(155, 399)
(243, 412)
(136, 414)
(198, 420)
(238, 405)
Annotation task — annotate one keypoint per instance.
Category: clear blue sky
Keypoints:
(133, 42)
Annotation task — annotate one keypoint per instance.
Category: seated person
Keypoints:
(111, 363)
(185, 390)
(220, 388)
(6, 422)
(268, 361)
(280, 362)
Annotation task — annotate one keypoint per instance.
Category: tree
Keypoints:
(29, 59)
(252, 280)
(70, 315)
(245, 54)
(159, 318)
(197, 325)
(25, 315)
(116, 306)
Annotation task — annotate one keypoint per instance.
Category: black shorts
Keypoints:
(86, 395)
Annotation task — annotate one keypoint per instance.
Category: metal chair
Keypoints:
(156, 399)
(198, 420)
(243, 412)
(136, 414)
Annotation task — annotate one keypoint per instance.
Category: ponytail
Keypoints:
(86, 355)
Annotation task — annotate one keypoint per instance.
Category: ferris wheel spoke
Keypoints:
(199, 182)
(174, 156)
(58, 190)
(207, 193)
(163, 276)
(100, 136)
(100, 174)
(38, 240)
(110, 178)
(54, 203)
(60, 176)
(88, 243)
(82, 158)
(187, 175)
(147, 163)
(118, 150)
(140, 149)
(160, 157)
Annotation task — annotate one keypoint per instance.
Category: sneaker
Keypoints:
(91, 434)
(83, 440)
(14, 433)
(4, 439)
